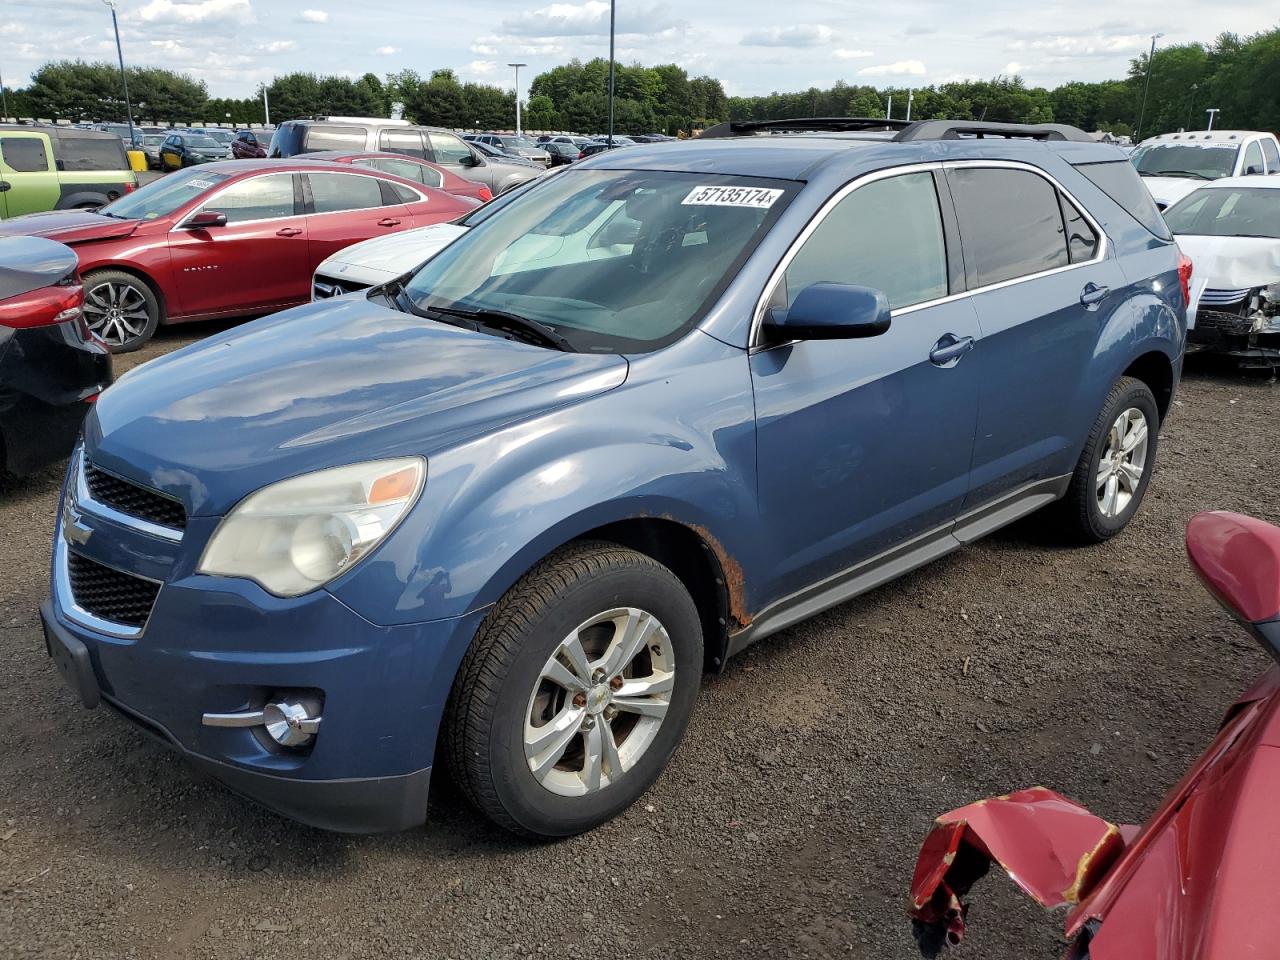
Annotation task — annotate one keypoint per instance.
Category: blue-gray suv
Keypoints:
(505, 510)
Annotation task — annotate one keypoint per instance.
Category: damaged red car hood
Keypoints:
(67, 226)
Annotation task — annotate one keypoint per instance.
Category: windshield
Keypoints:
(159, 198)
(519, 142)
(614, 261)
(201, 142)
(1227, 212)
(152, 139)
(1205, 161)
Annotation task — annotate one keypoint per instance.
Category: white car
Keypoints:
(367, 264)
(1174, 164)
(1231, 231)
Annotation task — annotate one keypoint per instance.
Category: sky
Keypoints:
(752, 46)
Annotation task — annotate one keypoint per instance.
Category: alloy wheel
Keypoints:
(1123, 462)
(116, 312)
(599, 701)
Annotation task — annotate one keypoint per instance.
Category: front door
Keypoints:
(256, 262)
(864, 444)
(28, 180)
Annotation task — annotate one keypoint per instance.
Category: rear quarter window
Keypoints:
(321, 137)
(1120, 181)
(83, 153)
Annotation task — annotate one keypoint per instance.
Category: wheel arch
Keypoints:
(152, 284)
(1155, 370)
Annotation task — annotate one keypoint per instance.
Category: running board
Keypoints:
(896, 561)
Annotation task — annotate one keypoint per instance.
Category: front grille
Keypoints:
(127, 497)
(1222, 298)
(108, 594)
(322, 288)
(1222, 322)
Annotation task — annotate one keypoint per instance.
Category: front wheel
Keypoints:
(1115, 467)
(120, 309)
(576, 691)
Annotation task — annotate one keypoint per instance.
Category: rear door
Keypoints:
(258, 261)
(345, 208)
(1044, 283)
(28, 180)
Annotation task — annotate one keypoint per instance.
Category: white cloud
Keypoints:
(278, 46)
(314, 16)
(797, 35)
(1089, 46)
(843, 54)
(588, 19)
(199, 11)
(387, 51)
(481, 68)
(902, 68)
(484, 49)
(1011, 68)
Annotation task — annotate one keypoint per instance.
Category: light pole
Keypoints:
(1213, 113)
(911, 98)
(123, 79)
(1142, 112)
(517, 66)
(4, 101)
(1191, 103)
(266, 107)
(612, 22)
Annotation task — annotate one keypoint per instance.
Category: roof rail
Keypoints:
(955, 129)
(747, 128)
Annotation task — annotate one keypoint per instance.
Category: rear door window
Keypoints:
(1253, 159)
(24, 154)
(1120, 181)
(333, 137)
(886, 235)
(1272, 155)
(407, 142)
(1010, 223)
(332, 192)
(1082, 239)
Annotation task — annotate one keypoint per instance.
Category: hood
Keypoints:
(67, 226)
(1232, 263)
(1169, 190)
(393, 254)
(334, 382)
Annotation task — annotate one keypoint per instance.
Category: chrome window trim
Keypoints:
(83, 501)
(1104, 242)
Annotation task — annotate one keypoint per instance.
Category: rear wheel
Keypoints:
(576, 692)
(120, 309)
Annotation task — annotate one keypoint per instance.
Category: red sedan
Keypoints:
(411, 168)
(227, 239)
(1197, 881)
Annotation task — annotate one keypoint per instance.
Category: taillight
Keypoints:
(1184, 277)
(486, 194)
(582, 154)
(130, 187)
(43, 307)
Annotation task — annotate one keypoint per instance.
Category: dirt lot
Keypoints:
(788, 824)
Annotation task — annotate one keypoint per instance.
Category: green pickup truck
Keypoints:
(60, 168)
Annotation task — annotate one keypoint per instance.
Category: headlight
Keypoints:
(1271, 292)
(298, 534)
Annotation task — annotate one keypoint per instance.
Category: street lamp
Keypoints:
(1191, 103)
(123, 79)
(1142, 112)
(4, 101)
(517, 66)
(612, 21)
(1213, 113)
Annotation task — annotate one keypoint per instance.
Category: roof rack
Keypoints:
(956, 129)
(747, 128)
(907, 131)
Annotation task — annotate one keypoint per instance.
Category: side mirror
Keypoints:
(1253, 170)
(1237, 558)
(471, 160)
(830, 311)
(204, 220)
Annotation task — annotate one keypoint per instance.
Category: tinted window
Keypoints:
(1119, 181)
(448, 148)
(90, 153)
(1009, 221)
(1082, 239)
(287, 140)
(1252, 159)
(1202, 161)
(408, 142)
(262, 198)
(409, 170)
(886, 235)
(397, 193)
(1228, 212)
(24, 154)
(336, 191)
(322, 137)
(1272, 155)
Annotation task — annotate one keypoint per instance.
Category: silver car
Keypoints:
(516, 146)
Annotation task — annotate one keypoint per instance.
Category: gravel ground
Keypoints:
(787, 826)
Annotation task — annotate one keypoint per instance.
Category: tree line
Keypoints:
(1234, 74)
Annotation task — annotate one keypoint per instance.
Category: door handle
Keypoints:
(388, 222)
(4, 185)
(1092, 294)
(949, 349)
(288, 232)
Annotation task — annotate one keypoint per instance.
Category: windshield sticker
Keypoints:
(760, 198)
(200, 184)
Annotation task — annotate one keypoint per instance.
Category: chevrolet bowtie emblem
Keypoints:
(73, 530)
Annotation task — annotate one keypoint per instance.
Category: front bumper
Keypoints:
(1233, 335)
(220, 645)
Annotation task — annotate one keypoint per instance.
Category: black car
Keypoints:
(599, 146)
(51, 366)
(187, 149)
(561, 153)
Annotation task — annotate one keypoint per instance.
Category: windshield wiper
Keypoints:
(1179, 173)
(511, 323)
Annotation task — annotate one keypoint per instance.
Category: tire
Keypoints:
(108, 290)
(1088, 512)
(502, 686)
